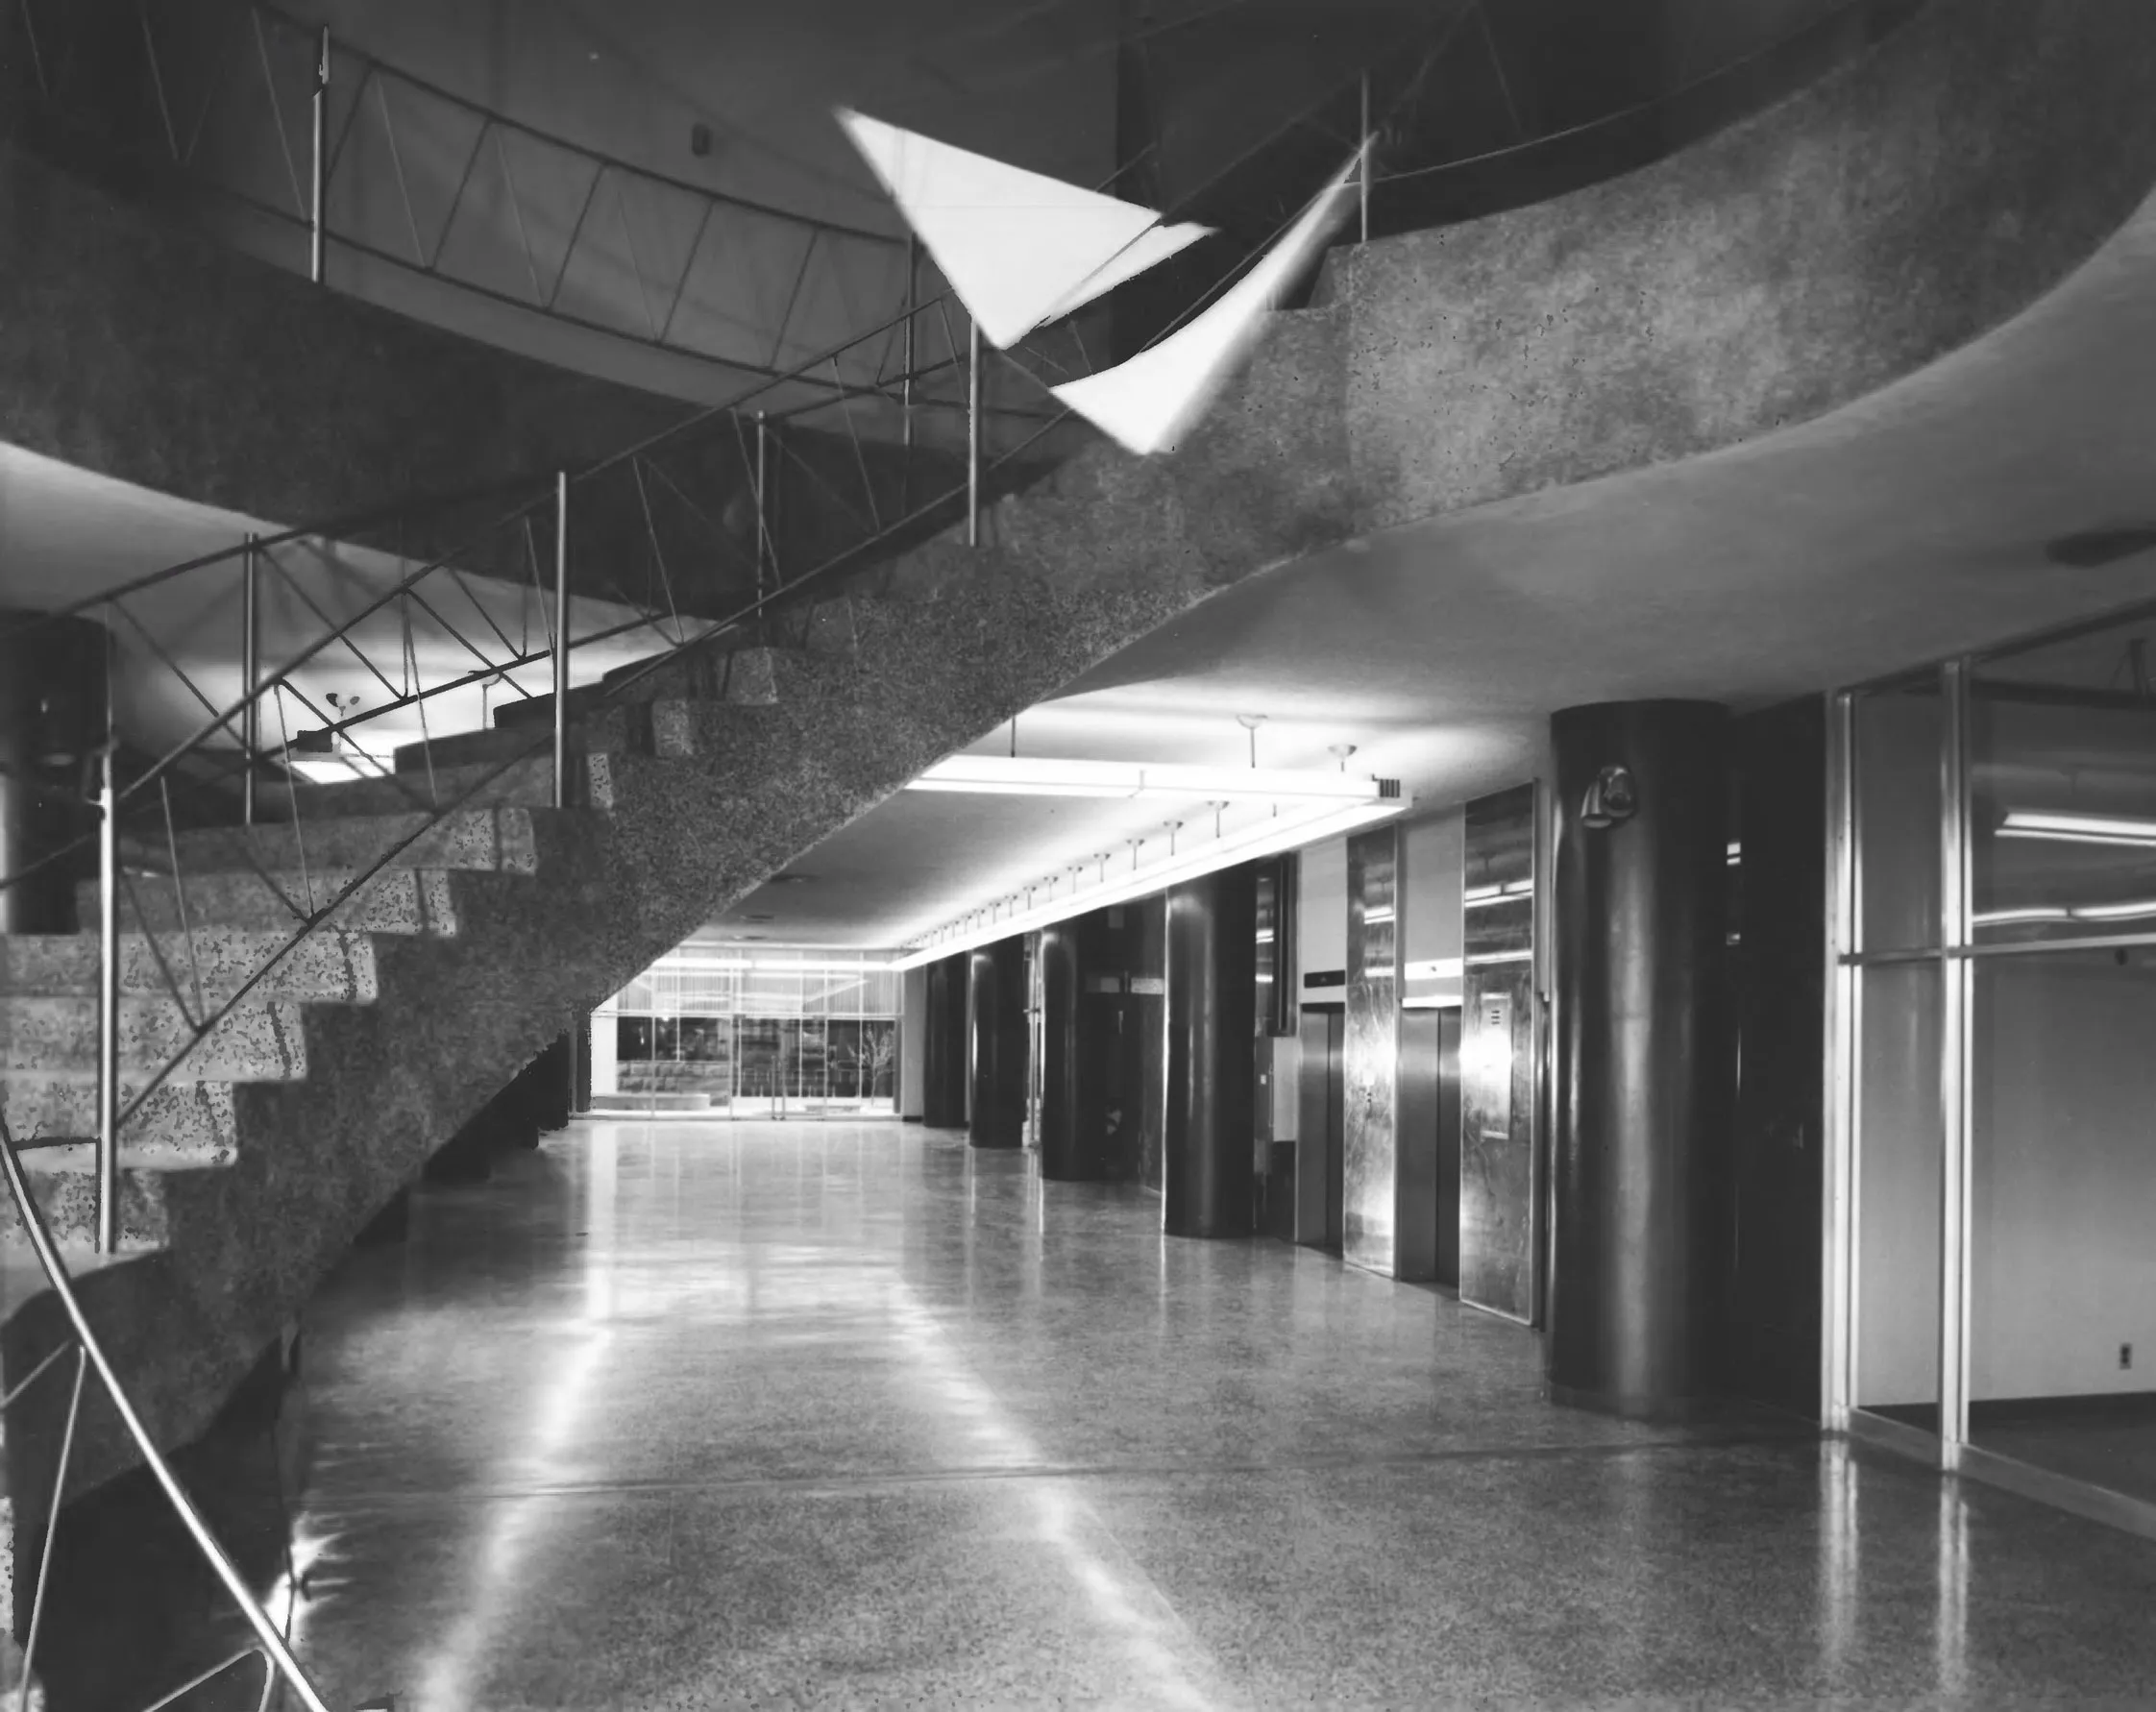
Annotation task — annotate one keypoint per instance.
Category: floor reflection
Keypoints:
(132, 1612)
(682, 1415)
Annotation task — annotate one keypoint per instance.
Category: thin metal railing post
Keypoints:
(578, 1020)
(316, 247)
(913, 307)
(108, 998)
(561, 639)
(1364, 130)
(973, 433)
(251, 673)
(763, 511)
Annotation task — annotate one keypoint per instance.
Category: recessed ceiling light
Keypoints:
(790, 880)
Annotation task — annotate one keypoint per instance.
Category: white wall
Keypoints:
(1321, 909)
(1434, 851)
(2064, 1197)
(913, 1041)
(606, 1043)
(1898, 1187)
(2062, 1191)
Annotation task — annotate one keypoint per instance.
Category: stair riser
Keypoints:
(606, 730)
(182, 1119)
(395, 900)
(68, 1204)
(255, 1042)
(489, 840)
(526, 784)
(327, 965)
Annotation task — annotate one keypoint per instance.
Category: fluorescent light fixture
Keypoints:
(1485, 957)
(1481, 894)
(1481, 897)
(1431, 1001)
(326, 770)
(2118, 912)
(2079, 829)
(1001, 776)
(1735, 853)
(1435, 969)
(1518, 887)
(2003, 918)
(1283, 831)
(1378, 916)
(765, 966)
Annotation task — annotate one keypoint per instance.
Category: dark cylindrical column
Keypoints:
(997, 987)
(51, 718)
(1645, 1073)
(1076, 1038)
(1211, 1020)
(942, 1092)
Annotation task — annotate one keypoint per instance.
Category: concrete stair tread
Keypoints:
(64, 1182)
(189, 1116)
(255, 1040)
(332, 964)
(405, 900)
(486, 839)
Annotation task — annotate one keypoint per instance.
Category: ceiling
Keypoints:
(1911, 525)
(67, 533)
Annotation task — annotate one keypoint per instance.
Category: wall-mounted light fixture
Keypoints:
(1612, 798)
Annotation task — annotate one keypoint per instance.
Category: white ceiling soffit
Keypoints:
(1019, 247)
(1148, 404)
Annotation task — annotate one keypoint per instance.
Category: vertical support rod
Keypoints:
(316, 250)
(1364, 133)
(763, 510)
(108, 996)
(251, 673)
(913, 307)
(1839, 1284)
(973, 433)
(578, 1020)
(1955, 1026)
(561, 639)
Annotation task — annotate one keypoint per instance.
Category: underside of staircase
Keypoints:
(1942, 184)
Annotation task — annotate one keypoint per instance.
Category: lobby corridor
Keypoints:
(684, 1415)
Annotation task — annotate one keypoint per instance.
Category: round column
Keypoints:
(52, 720)
(1207, 1180)
(998, 1061)
(1644, 1066)
(942, 1091)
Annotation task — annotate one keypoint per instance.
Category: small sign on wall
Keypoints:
(1488, 1061)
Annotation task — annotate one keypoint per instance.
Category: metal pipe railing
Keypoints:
(561, 641)
(318, 231)
(972, 432)
(206, 1542)
(108, 999)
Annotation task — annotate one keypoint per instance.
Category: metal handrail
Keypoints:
(92, 1351)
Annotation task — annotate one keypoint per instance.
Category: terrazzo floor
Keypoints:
(708, 1415)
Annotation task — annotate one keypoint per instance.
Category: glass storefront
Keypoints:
(1994, 1248)
(776, 1033)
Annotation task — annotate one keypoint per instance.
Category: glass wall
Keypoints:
(1998, 1060)
(770, 1033)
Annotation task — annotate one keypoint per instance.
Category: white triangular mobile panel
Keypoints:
(1019, 247)
(1148, 404)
